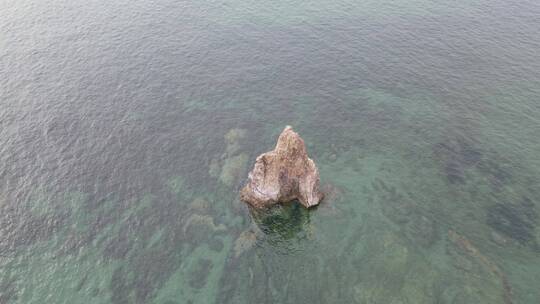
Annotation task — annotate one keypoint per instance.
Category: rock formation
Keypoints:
(283, 175)
(231, 165)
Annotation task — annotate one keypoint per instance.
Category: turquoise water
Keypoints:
(127, 129)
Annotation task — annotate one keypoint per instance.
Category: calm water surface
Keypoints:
(128, 127)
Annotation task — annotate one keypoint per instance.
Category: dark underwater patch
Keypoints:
(495, 173)
(401, 210)
(458, 154)
(514, 221)
(20, 229)
(216, 244)
(119, 287)
(394, 205)
(7, 290)
(117, 247)
(199, 275)
(455, 172)
(421, 230)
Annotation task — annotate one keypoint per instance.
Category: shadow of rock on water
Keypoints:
(283, 225)
(517, 221)
(259, 267)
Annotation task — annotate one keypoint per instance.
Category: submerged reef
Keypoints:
(458, 155)
(232, 164)
(283, 175)
(516, 221)
(244, 242)
(465, 246)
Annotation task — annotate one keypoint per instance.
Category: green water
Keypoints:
(127, 130)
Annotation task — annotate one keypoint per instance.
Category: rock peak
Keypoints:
(289, 142)
(283, 175)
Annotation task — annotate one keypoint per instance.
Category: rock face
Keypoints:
(283, 175)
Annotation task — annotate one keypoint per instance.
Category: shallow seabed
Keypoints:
(127, 129)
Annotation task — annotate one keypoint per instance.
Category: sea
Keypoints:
(128, 128)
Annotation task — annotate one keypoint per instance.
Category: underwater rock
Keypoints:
(332, 196)
(421, 230)
(498, 239)
(516, 221)
(395, 206)
(332, 157)
(244, 242)
(202, 221)
(283, 175)
(216, 244)
(234, 139)
(214, 169)
(198, 276)
(332, 193)
(200, 205)
(470, 250)
(231, 165)
(233, 168)
(384, 274)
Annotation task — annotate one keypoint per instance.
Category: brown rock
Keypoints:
(283, 175)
